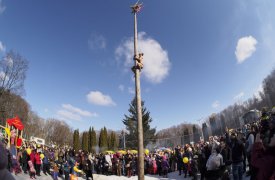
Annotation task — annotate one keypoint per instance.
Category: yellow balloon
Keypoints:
(8, 131)
(185, 160)
(29, 151)
(122, 152)
(134, 151)
(146, 151)
(42, 156)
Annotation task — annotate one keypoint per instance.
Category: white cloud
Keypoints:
(239, 96)
(216, 105)
(78, 111)
(246, 46)
(98, 98)
(2, 47)
(97, 41)
(67, 115)
(131, 90)
(69, 112)
(2, 7)
(121, 87)
(156, 60)
(46, 110)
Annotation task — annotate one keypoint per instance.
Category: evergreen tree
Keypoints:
(103, 143)
(76, 143)
(109, 141)
(90, 140)
(196, 134)
(186, 136)
(121, 140)
(93, 140)
(130, 121)
(85, 141)
(100, 139)
(114, 141)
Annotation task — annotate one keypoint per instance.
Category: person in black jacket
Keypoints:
(88, 169)
(24, 160)
(4, 173)
(237, 148)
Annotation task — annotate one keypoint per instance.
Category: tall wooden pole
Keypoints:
(138, 101)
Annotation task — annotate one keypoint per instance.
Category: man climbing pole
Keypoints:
(138, 62)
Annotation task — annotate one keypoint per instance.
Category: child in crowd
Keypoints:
(164, 166)
(55, 171)
(32, 170)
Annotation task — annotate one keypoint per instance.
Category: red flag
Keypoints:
(16, 122)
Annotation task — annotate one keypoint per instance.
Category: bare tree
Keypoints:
(13, 68)
(34, 126)
(15, 105)
(56, 131)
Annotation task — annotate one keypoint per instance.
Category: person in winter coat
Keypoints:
(128, 162)
(55, 171)
(32, 170)
(237, 155)
(264, 159)
(37, 163)
(164, 166)
(24, 160)
(32, 157)
(249, 144)
(179, 161)
(194, 167)
(66, 170)
(154, 165)
(88, 169)
(204, 154)
(4, 173)
(46, 163)
(214, 164)
(188, 154)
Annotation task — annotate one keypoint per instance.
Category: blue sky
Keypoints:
(200, 56)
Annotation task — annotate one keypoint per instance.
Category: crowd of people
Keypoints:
(247, 151)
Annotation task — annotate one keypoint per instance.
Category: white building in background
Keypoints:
(37, 140)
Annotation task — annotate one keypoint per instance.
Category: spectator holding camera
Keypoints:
(237, 148)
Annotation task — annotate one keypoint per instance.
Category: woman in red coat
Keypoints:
(37, 163)
(264, 159)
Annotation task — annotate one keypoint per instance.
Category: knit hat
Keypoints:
(3, 157)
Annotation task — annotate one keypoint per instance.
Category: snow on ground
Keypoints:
(172, 176)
